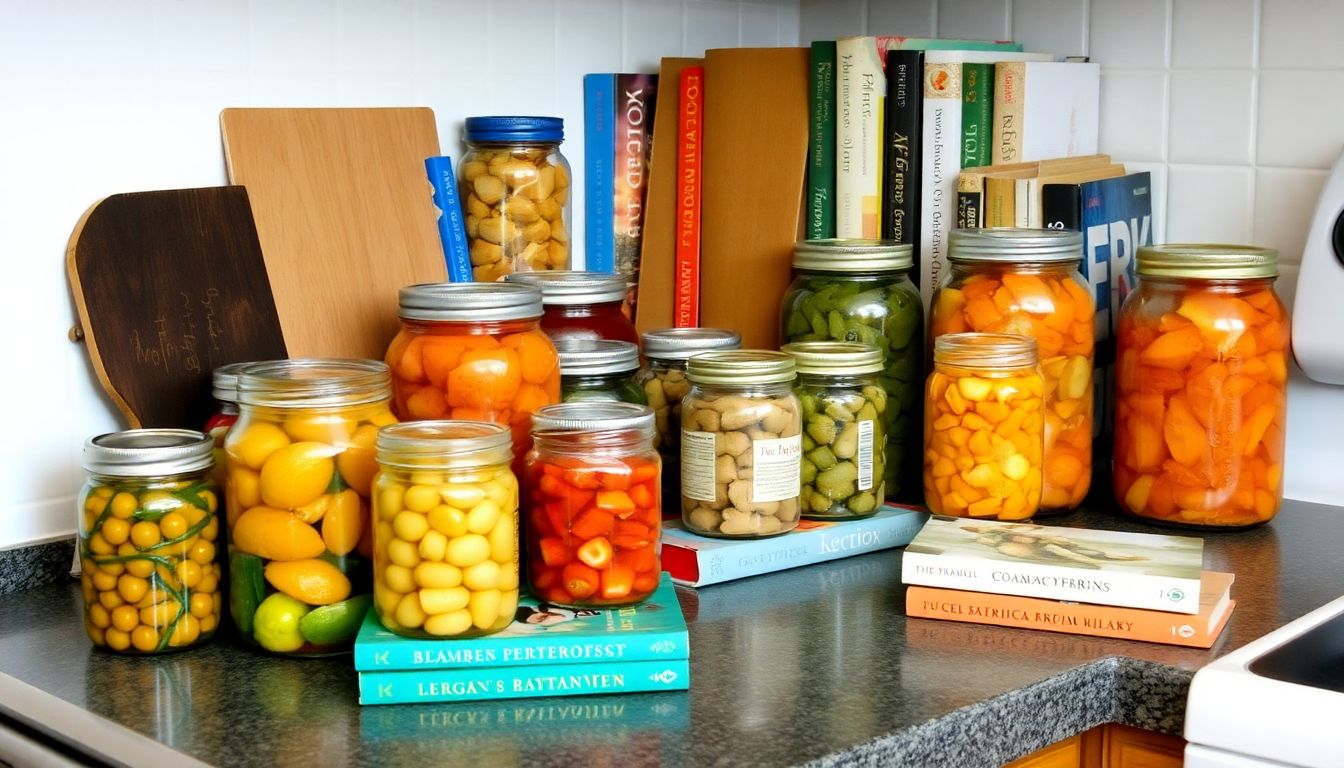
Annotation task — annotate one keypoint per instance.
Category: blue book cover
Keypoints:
(452, 229)
(477, 684)
(599, 155)
(589, 720)
(653, 630)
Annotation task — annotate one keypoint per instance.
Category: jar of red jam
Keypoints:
(581, 305)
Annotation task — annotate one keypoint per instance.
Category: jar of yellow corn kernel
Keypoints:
(984, 427)
(445, 541)
(147, 540)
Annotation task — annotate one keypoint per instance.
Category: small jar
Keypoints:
(741, 445)
(301, 467)
(514, 185)
(1026, 281)
(224, 388)
(597, 369)
(148, 526)
(581, 305)
(594, 512)
(844, 446)
(860, 291)
(445, 545)
(1201, 387)
(983, 427)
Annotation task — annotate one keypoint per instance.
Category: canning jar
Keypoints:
(1201, 380)
(1026, 281)
(599, 369)
(741, 444)
(844, 447)
(445, 543)
(147, 532)
(594, 512)
(581, 305)
(514, 185)
(860, 291)
(301, 465)
(983, 427)
(224, 388)
(476, 352)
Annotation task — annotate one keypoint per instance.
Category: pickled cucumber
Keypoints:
(836, 444)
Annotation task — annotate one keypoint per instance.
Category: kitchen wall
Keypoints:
(1233, 105)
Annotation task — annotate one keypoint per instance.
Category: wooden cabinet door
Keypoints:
(1128, 747)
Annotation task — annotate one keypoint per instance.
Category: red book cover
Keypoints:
(690, 124)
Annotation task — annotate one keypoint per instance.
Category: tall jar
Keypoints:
(1026, 281)
(224, 388)
(581, 305)
(1201, 380)
(514, 185)
(476, 352)
(983, 427)
(148, 526)
(301, 467)
(860, 291)
(741, 445)
(599, 369)
(594, 512)
(844, 446)
(445, 543)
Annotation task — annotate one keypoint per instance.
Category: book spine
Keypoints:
(599, 152)
(690, 124)
(1009, 108)
(970, 200)
(1000, 201)
(900, 190)
(977, 112)
(491, 653)
(941, 162)
(452, 229)
(1125, 589)
(860, 87)
(635, 101)
(1061, 207)
(1022, 191)
(821, 144)
(523, 682)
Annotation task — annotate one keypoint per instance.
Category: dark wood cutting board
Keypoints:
(168, 286)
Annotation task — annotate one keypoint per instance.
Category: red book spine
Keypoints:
(690, 124)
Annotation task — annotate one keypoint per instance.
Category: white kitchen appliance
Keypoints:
(1318, 309)
(1278, 701)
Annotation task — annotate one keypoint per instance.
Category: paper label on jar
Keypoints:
(865, 478)
(776, 469)
(697, 465)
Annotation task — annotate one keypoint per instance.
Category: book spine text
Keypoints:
(599, 151)
(821, 144)
(522, 682)
(452, 229)
(977, 112)
(1009, 109)
(901, 168)
(690, 138)
(636, 96)
(861, 88)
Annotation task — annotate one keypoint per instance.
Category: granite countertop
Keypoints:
(815, 665)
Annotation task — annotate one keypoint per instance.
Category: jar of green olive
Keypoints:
(599, 369)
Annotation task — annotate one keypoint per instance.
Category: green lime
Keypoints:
(276, 623)
(247, 586)
(335, 623)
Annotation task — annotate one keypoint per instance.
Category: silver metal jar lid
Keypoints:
(470, 301)
(444, 444)
(224, 382)
(590, 415)
(839, 255)
(838, 358)
(314, 383)
(1207, 261)
(149, 453)
(985, 350)
(566, 287)
(1011, 244)
(587, 357)
(681, 343)
(742, 366)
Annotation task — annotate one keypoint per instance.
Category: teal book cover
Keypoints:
(477, 684)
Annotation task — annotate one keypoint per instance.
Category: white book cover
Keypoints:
(861, 89)
(1045, 109)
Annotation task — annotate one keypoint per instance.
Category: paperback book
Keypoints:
(452, 228)
(1045, 109)
(821, 143)
(477, 684)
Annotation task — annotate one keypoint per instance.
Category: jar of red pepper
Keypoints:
(581, 305)
(594, 513)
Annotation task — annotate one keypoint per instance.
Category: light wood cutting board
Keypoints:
(344, 214)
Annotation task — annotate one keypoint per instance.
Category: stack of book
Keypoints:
(1134, 586)
(547, 651)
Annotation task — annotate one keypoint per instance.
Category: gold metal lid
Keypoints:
(742, 366)
(444, 444)
(837, 358)
(839, 255)
(563, 286)
(481, 302)
(590, 416)
(681, 343)
(314, 383)
(1209, 261)
(985, 350)
(1012, 244)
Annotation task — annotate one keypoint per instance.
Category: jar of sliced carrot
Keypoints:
(594, 514)
(984, 426)
(1026, 281)
(1201, 380)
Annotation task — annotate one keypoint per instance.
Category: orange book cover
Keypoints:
(1197, 631)
(690, 135)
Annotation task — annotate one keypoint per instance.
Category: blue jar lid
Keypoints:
(515, 128)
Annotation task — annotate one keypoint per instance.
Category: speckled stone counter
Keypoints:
(816, 665)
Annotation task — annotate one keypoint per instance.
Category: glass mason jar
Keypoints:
(1026, 281)
(983, 427)
(594, 512)
(859, 290)
(844, 447)
(581, 305)
(598, 369)
(514, 186)
(741, 444)
(475, 352)
(147, 532)
(301, 466)
(445, 542)
(224, 388)
(1201, 387)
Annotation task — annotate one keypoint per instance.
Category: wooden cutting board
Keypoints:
(345, 217)
(169, 286)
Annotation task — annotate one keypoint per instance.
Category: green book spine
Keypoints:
(821, 144)
(472, 684)
(977, 113)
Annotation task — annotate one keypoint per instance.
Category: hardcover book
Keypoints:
(452, 228)
(618, 124)
(977, 113)
(900, 167)
(861, 88)
(821, 143)
(477, 684)
(1029, 189)
(690, 124)
(599, 178)
(1045, 109)
(1132, 570)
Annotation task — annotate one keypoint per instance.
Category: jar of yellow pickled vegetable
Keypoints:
(301, 466)
(445, 547)
(984, 427)
(1201, 387)
(1026, 281)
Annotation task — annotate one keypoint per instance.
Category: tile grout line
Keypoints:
(1253, 130)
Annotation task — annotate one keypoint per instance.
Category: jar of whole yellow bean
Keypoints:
(150, 571)
(984, 427)
(445, 545)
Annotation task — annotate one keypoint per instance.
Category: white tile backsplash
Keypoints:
(1208, 109)
(973, 19)
(1301, 34)
(1226, 188)
(1301, 121)
(1134, 114)
(1285, 199)
(1213, 33)
(1051, 25)
(908, 18)
(1129, 33)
